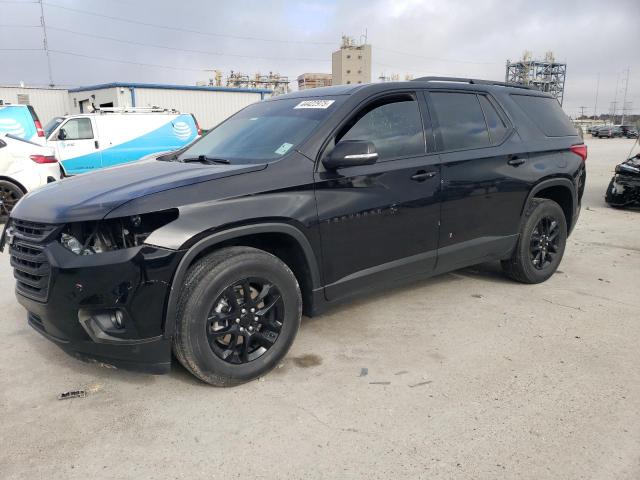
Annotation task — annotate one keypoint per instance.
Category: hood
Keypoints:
(91, 196)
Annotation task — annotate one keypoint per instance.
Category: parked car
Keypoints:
(24, 166)
(628, 131)
(21, 121)
(289, 206)
(111, 137)
(624, 187)
(606, 131)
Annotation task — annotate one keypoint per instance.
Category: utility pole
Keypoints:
(595, 106)
(624, 98)
(45, 43)
(582, 111)
(615, 100)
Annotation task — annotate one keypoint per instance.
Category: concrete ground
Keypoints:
(469, 376)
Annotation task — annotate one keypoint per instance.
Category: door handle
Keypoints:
(515, 161)
(421, 175)
(97, 144)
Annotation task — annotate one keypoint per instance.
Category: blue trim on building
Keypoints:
(160, 86)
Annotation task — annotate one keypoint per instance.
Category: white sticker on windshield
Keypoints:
(284, 148)
(315, 104)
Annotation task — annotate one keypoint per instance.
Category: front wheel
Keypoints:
(543, 237)
(10, 193)
(237, 316)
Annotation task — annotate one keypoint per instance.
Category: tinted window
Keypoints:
(78, 129)
(394, 128)
(546, 114)
(461, 120)
(497, 127)
(264, 131)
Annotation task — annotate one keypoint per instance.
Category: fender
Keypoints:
(200, 246)
(556, 182)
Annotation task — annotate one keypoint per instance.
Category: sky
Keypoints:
(162, 41)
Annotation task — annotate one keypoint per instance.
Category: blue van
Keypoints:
(21, 121)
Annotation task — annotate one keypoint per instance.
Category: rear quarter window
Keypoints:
(546, 114)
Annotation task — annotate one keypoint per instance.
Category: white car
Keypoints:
(24, 166)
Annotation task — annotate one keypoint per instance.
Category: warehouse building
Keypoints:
(47, 102)
(210, 105)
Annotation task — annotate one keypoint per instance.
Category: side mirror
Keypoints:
(62, 134)
(351, 153)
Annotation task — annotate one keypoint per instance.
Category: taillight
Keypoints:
(580, 150)
(39, 129)
(43, 158)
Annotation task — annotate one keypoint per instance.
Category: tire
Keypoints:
(211, 301)
(526, 266)
(10, 193)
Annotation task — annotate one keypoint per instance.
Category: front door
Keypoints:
(379, 223)
(77, 146)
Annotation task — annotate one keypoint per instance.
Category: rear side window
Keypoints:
(78, 129)
(546, 114)
(394, 127)
(497, 127)
(460, 120)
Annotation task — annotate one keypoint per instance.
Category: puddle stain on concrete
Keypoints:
(307, 361)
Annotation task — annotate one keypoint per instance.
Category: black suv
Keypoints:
(291, 205)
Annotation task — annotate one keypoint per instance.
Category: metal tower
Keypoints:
(546, 75)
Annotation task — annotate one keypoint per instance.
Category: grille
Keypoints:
(31, 270)
(31, 231)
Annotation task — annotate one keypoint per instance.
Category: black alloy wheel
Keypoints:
(541, 243)
(544, 242)
(245, 321)
(237, 315)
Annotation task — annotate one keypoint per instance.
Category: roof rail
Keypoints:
(473, 81)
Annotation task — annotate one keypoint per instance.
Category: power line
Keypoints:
(203, 52)
(437, 59)
(19, 26)
(105, 59)
(179, 29)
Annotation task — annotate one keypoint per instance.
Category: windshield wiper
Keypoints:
(205, 159)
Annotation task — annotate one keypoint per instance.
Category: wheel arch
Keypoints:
(15, 182)
(280, 239)
(560, 190)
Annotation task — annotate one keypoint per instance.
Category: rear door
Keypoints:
(379, 223)
(77, 145)
(483, 182)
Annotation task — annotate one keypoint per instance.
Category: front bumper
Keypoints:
(77, 295)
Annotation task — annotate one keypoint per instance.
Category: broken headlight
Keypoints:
(88, 238)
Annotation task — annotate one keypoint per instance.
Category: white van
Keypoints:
(110, 137)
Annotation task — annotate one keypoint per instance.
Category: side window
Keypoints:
(393, 125)
(497, 128)
(78, 129)
(460, 119)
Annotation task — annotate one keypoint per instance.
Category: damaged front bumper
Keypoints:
(624, 187)
(106, 308)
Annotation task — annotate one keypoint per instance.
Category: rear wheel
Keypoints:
(238, 314)
(10, 193)
(541, 244)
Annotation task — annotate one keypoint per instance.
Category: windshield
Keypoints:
(51, 125)
(263, 131)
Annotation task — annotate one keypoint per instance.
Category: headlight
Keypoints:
(87, 238)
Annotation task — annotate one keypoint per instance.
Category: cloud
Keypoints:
(454, 37)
